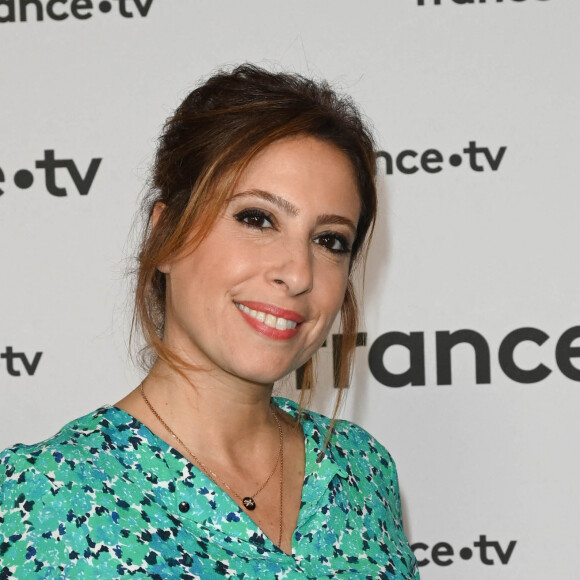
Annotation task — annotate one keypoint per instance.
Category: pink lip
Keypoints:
(274, 310)
(266, 330)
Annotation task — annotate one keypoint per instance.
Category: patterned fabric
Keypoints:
(106, 498)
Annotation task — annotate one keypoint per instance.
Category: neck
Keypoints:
(217, 414)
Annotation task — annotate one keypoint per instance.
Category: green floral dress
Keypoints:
(106, 498)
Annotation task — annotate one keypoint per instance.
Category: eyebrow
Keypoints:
(290, 209)
(336, 219)
(276, 200)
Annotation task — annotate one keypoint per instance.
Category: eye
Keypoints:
(333, 242)
(255, 218)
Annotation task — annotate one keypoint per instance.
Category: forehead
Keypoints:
(308, 171)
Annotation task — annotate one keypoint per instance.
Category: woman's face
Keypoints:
(258, 296)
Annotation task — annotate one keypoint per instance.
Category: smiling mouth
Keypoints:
(270, 320)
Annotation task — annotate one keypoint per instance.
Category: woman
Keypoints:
(262, 200)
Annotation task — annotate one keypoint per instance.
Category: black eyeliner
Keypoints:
(346, 249)
(254, 213)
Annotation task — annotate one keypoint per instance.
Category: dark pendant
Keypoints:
(249, 503)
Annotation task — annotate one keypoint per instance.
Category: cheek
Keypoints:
(333, 292)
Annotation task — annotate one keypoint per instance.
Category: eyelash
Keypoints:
(345, 247)
(256, 214)
(246, 215)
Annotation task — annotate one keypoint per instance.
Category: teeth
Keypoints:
(268, 319)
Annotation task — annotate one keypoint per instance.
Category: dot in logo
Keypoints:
(455, 160)
(105, 7)
(23, 179)
(465, 553)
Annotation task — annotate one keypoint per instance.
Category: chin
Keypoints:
(262, 377)
(262, 372)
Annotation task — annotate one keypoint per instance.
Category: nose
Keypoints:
(292, 268)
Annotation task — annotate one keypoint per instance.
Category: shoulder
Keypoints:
(68, 457)
(76, 438)
(367, 474)
(370, 467)
(352, 440)
(349, 444)
(44, 485)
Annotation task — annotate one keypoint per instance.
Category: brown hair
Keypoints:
(204, 148)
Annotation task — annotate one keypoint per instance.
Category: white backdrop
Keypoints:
(475, 108)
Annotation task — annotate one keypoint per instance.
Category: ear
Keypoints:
(155, 215)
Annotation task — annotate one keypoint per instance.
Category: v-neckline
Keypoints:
(153, 438)
(313, 462)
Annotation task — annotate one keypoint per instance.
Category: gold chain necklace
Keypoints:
(248, 502)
